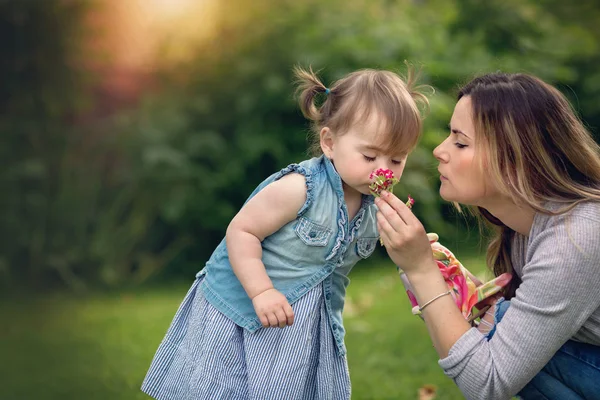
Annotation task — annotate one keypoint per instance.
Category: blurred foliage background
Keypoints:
(132, 131)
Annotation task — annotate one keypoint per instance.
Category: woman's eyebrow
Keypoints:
(457, 131)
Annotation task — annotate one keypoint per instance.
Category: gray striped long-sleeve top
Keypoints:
(558, 300)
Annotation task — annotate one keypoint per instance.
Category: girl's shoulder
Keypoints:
(310, 169)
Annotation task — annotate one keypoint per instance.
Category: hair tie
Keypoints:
(327, 91)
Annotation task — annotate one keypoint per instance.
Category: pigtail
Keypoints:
(309, 85)
(417, 92)
(351, 99)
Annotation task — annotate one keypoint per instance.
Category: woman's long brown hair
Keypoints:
(536, 150)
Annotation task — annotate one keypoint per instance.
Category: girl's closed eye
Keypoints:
(395, 162)
(369, 159)
(460, 145)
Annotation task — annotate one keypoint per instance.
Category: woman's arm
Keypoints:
(558, 294)
(407, 245)
(271, 208)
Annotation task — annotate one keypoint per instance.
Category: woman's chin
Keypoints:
(445, 195)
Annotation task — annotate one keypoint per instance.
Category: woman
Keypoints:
(521, 159)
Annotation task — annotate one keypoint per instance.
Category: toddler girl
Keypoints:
(286, 255)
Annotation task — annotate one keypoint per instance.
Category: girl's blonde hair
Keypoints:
(357, 95)
(535, 149)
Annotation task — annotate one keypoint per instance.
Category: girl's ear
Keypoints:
(327, 142)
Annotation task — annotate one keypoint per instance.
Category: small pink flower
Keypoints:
(383, 179)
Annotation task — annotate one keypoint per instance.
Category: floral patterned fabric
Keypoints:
(459, 280)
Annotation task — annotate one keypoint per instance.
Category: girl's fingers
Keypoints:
(281, 318)
(289, 313)
(272, 320)
(263, 320)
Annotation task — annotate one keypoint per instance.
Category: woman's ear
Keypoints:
(326, 140)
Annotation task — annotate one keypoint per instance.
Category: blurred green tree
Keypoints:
(41, 90)
(158, 185)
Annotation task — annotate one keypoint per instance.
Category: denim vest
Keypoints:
(320, 245)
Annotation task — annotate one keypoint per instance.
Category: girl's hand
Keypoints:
(403, 235)
(273, 309)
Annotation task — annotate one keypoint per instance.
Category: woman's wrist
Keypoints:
(424, 275)
(427, 282)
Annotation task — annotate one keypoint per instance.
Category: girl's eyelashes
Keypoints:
(369, 159)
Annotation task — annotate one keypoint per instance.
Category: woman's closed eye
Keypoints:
(454, 133)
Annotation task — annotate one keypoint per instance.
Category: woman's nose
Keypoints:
(439, 153)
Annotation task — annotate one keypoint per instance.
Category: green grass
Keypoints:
(99, 346)
(389, 351)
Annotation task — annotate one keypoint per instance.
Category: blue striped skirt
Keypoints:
(204, 355)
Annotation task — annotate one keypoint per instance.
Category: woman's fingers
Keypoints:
(393, 219)
(405, 226)
(403, 234)
(384, 224)
(489, 301)
(401, 209)
(383, 231)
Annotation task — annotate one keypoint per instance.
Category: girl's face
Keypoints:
(463, 178)
(356, 153)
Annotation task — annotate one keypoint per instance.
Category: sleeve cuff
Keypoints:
(459, 353)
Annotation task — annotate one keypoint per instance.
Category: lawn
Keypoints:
(98, 346)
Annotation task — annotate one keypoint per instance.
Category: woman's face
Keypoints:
(463, 178)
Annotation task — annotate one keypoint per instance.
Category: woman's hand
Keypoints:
(408, 246)
(273, 309)
(403, 235)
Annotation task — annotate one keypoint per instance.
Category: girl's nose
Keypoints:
(385, 164)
